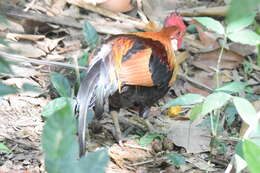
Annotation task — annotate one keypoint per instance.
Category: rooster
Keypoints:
(130, 70)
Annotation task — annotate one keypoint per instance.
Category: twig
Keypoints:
(147, 161)
(185, 77)
(19, 58)
(204, 11)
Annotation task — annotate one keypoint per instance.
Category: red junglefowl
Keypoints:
(130, 70)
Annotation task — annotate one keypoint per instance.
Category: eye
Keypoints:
(178, 33)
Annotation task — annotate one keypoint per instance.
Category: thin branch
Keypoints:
(19, 58)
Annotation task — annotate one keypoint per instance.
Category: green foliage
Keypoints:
(186, 99)
(5, 67)
(55, 105)
(83, 61)
(246, 110)
(235, 11)
(176, 159)
(252, 155)
(235, 29)
(147, 139)
(29, 87)
(215, 101)
(245, 36)
(232, 87)
(90, 35)
(195, 112)
(211, 24)
(230, 113)
(61, 84)
(3, 147)
(6, 89)
(60, 145)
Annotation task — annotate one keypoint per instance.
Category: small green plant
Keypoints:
(227, 96)
(60, 144)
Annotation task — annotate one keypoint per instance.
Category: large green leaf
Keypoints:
(94, 162)
(195, 112)
(241, 23)
(215, 101)
(60, 144)
(252, 155)
(90, 35)
(246, 110)
(5, 89)
(187, 99)
(55, 105)
(61, 84)
(245, 36)
(232, 87)
(241, 8)
(211, 24)
(59, 140)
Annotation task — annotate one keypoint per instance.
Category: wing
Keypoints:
(140, 61)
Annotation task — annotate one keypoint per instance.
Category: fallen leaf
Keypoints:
(117, 5)
(242, 49)
(194, 138)
(208, 61)
(201, 164)
(57, 7)
(208, 39)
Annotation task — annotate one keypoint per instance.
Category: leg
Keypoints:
(114, 115)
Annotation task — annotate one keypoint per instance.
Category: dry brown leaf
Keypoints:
(49, 44)
(25, 49)
(122, 154)
(57, 7)
(241, 49)
(157, 10)
(194, 138)
(117, 5)
(201, 77)
(208, 39)
(208, 61)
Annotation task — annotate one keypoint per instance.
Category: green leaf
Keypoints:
(55, 105)
(5, 89)
(147, 139)
(83, 61)
(187, 99)
(30, 87)
(241, 23)
(195, 112)
(215, 101)
(90, 35)
(239, 149)
(176, 159)
(241, 8)
(252, 156)
(232, 87)
(59, 140)
(3, 147)
(211, 24)
(5, 67)
(94, 162)
(245, 36)
(246, 110)
(61, 84)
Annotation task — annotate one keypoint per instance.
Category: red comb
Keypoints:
(174, 19)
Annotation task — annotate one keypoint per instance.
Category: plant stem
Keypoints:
(219, 60)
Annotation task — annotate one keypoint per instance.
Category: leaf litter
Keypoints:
(22, 126)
